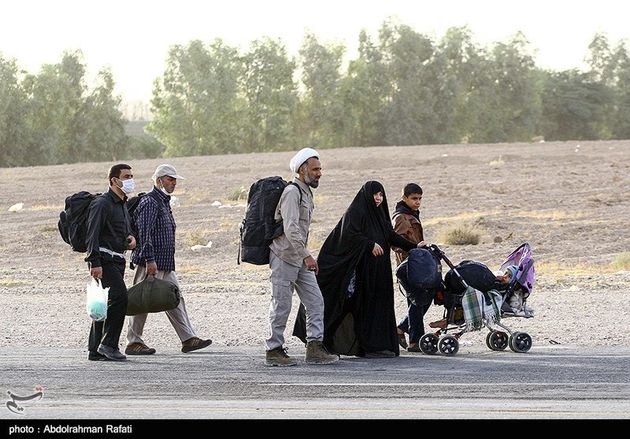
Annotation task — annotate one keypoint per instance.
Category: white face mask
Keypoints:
(128, 186)
(163, 189)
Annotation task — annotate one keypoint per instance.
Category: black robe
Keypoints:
(362, 322)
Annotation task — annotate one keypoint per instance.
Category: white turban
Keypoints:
(303, 155)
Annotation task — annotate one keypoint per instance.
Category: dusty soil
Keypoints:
(569, 200)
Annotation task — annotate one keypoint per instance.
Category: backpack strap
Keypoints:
(299, 189)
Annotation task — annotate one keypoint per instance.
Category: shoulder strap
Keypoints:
(299, 189)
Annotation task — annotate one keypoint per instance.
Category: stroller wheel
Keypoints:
(520, 342)
(497, 340)
(429, 343)
(448, 345)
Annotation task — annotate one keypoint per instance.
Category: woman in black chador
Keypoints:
(355, 277)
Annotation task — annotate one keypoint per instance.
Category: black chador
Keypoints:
(357, 286)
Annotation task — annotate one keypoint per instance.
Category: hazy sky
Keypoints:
(133, 36)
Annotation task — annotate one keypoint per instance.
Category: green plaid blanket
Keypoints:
(477, 308)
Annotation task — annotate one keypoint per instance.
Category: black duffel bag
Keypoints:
(152, 295)
(476, 275)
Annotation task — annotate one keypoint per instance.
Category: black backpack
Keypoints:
(476, 275)
(132, 205)
(420, 275)
(259, 227)
(73, 220)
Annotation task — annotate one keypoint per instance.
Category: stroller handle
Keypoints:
(437, 251)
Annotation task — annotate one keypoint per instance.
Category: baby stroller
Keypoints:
(473, 297)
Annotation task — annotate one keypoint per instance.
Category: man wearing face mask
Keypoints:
(108, 238)
(155, 255)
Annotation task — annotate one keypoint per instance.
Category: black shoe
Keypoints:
(95, 356)
(111, 353)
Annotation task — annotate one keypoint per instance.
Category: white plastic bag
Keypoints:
(96, 305)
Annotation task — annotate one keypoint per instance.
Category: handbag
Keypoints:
(152, 295)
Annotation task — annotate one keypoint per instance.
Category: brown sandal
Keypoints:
(402, 341)
(442, 324)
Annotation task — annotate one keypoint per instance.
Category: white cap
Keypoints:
(165, 171)
(303, 155)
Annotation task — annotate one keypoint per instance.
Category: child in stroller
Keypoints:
(473, 297)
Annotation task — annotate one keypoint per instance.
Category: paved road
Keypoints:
(232, 382)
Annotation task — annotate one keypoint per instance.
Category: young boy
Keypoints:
(406, 222)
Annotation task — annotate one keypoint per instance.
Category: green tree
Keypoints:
(57, 114)
(321, 118)
(620, 123)
(574, 106)
(506, 101)
(15, 135)
(602, 60)
(106, 138)
(197, 105)
(364, 92)
(271, 96)
(610, 68)
(457, 63)
(410, 117)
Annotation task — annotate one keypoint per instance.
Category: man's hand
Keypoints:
(421, 244)
(131, 242)
(311, 264)
(96, 272)
(151, 268)
(377, 250)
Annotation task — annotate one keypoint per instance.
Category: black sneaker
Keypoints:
(95, 356)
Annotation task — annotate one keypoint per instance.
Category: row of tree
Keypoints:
(402, 89)
(52, 117)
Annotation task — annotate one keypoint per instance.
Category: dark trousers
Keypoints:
(413, 323)
(108, 331)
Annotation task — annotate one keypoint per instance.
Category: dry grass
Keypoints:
(460, 235)
(622, 261)
(44, 207)
(191, 269)
(462, 217)
(556, 215)
(197, 197)
(229, 226)
(8, 282)
(197, 237)
(557, 270)
(218, 285)
(497, 162)
(238, 194)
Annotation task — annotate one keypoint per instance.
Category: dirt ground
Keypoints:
(569, 200)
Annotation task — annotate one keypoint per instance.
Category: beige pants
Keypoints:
(284, 278)
(177, 316)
